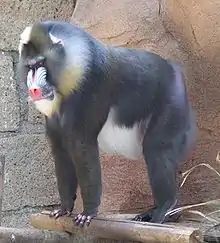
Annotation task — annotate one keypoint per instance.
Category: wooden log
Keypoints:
(119, 229)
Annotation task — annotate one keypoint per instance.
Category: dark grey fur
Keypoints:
(140, 86)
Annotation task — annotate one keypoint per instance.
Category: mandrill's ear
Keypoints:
(37, 38)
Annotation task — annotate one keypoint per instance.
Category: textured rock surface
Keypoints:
(141, 24)
(9, 107)
(200, 38)
(28, 174)
(201, 30)
(196, 23)
(18, 218)
(31, 235)
(34, 116)
(133, 24)
(15, 15)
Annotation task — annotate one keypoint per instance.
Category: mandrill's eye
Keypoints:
(30, 67)
(36, 62)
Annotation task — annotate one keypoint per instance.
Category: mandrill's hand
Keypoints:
(61, 212)
(84, 219)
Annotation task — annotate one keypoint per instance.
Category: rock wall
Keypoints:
(133, 24)
(169, 28)
(174, 29)
(29, 182)
(195, 24)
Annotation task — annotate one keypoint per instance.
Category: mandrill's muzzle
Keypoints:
(38, 86)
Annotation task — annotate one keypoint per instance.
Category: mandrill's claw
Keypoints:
(144, 217)
(148, 217)
(137, 218)
(82, 220)
(60, 212)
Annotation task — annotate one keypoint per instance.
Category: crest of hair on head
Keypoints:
(37, 36)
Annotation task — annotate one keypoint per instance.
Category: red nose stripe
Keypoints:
(35, 93)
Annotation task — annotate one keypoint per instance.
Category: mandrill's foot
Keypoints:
(144, 217)
(84, 219)
(153, 216)
(60, 212)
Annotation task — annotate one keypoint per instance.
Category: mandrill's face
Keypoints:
(41, 92)
(43, 65)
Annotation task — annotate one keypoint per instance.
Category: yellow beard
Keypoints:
(69, 80)
(48, 107)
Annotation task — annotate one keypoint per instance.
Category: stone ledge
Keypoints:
(20, 217)
(17, 235)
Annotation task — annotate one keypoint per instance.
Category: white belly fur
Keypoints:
(120, 140)
(112, 139)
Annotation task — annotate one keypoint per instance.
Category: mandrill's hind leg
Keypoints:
(162, 176)
(163, 146)
(65, 171)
